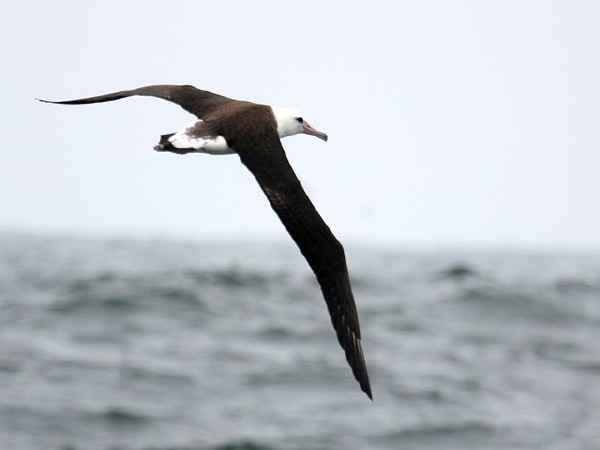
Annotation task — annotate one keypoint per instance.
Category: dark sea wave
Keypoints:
(235, 445)
(156, 345)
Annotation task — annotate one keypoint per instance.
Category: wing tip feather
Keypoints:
(356, 359)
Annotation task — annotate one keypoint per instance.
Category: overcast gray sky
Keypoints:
(450, 122)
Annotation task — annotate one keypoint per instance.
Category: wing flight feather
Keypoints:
(190, 98)
(324, 253)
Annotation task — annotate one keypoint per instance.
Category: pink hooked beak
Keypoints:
(307, 129)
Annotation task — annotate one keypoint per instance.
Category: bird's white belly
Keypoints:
(216, 146)
(186, 139)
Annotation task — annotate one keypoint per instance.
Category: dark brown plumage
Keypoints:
(251, 130)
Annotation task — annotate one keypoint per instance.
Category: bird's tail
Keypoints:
(164, 145)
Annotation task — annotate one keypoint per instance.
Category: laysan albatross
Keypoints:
(253, 131)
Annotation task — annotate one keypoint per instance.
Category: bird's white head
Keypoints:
(290, 122)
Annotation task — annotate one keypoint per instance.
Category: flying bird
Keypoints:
(254, 132)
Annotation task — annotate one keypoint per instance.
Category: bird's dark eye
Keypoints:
(300, 119)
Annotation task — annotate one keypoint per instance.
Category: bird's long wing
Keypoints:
(193, 100)
(266, 159)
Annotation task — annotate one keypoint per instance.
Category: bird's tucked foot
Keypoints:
(178, 151)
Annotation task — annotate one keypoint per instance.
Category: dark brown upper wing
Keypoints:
(263, 154)
(193, 100)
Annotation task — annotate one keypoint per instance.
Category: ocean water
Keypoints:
(171, 345)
